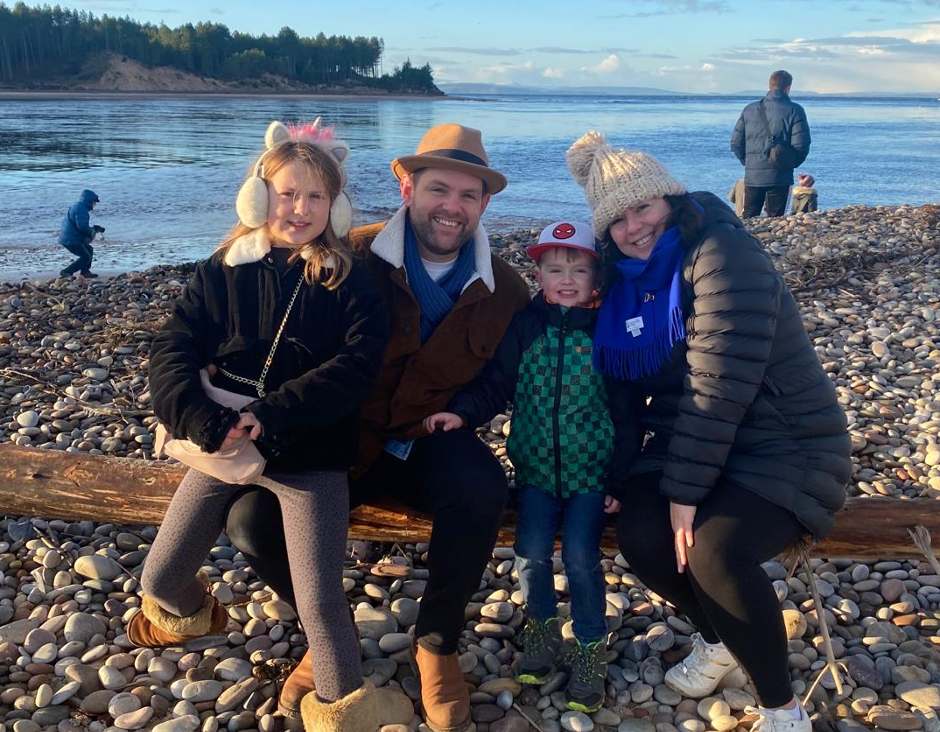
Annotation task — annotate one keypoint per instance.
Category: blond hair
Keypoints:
(328, 258)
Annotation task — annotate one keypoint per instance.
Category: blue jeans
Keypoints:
(581, 518)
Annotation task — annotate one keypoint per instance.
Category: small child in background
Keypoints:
(804, 194)
(563, 448)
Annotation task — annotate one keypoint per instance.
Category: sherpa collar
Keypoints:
(389, 245)
(250, 247)
(254, 246)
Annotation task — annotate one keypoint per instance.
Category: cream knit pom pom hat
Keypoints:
(616, 179)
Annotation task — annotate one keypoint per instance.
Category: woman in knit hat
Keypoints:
(746, 449)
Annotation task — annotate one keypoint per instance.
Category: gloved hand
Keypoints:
(99, 229)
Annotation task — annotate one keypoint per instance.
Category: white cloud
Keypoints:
(708, 68)
(608, 66)
(550, 73)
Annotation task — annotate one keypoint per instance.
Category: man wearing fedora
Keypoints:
(450, 301)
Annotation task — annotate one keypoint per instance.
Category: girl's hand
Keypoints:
(249, 423)
(611, 505)
(681, 518)
(234, 436)
(447, 421)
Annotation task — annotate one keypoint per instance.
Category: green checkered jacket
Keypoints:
(562, 437)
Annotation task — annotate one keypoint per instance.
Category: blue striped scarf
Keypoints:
(641, 317)
(435, 299)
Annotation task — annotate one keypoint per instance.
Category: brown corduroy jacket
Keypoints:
(417, 379)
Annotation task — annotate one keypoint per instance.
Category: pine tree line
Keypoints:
(40, 43)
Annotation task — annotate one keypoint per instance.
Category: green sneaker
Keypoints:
(588, 676)
(541, 643)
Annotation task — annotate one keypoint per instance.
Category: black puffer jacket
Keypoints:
(744, 398)
(327, 359)
(749, 141)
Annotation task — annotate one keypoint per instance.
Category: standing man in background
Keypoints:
(770, 139)
(77, 234)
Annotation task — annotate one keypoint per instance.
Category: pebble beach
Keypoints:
(73, 365)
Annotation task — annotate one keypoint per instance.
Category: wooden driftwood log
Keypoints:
(55, 484)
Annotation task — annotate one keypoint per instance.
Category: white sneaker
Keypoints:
(699, 673)
(779, 720)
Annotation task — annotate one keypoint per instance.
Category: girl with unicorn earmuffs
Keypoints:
(282, 314)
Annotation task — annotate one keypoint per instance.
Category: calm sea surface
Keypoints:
(167, 168)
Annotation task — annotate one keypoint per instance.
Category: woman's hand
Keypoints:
(681, 518)
(446, 421)
(611, 505)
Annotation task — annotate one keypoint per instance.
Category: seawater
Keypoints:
(167, 168)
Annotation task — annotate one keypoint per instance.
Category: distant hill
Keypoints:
(469, 88)
(54, 48)
(466, 88)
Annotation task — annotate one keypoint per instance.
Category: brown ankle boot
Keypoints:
(364, 710)
(444, 693)
(154, 627)
(296, 687)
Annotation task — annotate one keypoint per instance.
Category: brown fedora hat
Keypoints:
(452, 147)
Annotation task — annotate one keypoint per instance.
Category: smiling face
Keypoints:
(641, 225)
(298, 205)
(567, 276)
(444, 207)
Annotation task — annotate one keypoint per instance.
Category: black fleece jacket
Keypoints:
(325, 364)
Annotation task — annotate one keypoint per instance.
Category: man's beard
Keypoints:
(424, 232)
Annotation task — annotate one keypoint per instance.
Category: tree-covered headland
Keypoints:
(46, 44)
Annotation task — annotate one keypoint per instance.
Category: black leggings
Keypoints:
(451, 475)
(724, 590)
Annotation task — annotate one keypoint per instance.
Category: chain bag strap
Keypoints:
(259, 384)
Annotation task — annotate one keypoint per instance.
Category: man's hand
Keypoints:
(611, 505)
(681, 517)
(446, 421)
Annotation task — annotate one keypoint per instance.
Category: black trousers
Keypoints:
(724, 590)
(771, 198)
(84, 252)
(451, 475)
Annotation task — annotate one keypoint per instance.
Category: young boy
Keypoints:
(561, 445)
(805, 198)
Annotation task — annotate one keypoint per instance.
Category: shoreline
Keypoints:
(14, 94)
(500, 235)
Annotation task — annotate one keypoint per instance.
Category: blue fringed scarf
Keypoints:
(641, 317)
(435, 298)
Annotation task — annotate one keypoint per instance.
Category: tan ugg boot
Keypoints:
(444, 694)
(363, 710)
(296, 687)
(154, 627)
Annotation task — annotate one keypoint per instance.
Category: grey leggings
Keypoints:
(315, 511)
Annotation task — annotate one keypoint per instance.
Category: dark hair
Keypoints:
(780, 80)
(687, 215)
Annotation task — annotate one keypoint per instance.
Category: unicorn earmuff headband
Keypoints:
(252, 202)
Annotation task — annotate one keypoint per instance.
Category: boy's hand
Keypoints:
(611, 505)
(446, 421)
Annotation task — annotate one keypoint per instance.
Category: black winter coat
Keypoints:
(328, 356)
(749, 141)
(744, 397)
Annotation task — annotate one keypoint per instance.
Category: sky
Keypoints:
(704, 46)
